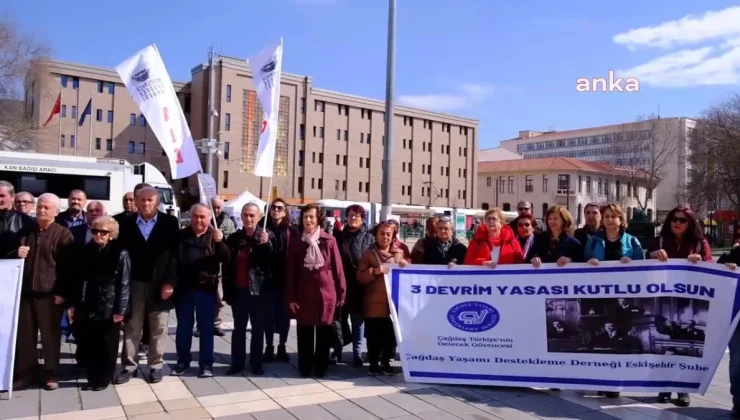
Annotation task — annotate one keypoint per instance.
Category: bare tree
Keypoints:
(644, 149)
(20, 63)
(715, 156)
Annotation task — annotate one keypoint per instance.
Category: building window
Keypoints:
(228, 93)
(606, 188)
(313, 183)
(588, 185)
(511, 184)
(74, 111)
(619, 190)
(142, 120)
(111, 88)
(227, 121)
(75, 83)
(337, 160)
(544, 183)
(301, 155)
(344, 185)
(226, 179)
(64, 111)
(507, 207)
(346, 135)
(403, 190)
(563, 181)
(63, 80)
(361, 162)
(100, 86)
(300, 185)
(302, 132)
(132, 119)
(579, 214)
(344, 160)
(545, 207)
(367, 139)
(362, 137)
(142, 148)
(339, 134)
(109, 145)
(303, 105)
(110, 116)
(99, 115)
(528, 184)
(501, 185)
(98, 143)
(488, 181)
(600, 187)
(319, 106)
(227, 147)
(367, 187)
(580, 185)
(72, 141)
(61, 140)
(131, 147)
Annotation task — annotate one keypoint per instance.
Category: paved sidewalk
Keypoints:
(347, 394)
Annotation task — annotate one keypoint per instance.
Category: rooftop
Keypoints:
(548, 164)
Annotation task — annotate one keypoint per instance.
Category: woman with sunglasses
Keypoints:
(100, 301)
(278, 318)
(525, 227)
(494, 243)
(681, 238)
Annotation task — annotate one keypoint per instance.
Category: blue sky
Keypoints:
(511, 65)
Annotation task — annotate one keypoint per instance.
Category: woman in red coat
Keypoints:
(494, 243)
(315, 287)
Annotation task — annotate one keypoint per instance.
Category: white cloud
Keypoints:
(715, 62)
(466, 96)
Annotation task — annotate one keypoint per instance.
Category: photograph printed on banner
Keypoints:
(661, 325)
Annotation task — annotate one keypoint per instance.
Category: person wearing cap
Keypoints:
(525, 207)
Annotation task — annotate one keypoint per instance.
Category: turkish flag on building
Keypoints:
(54, 111)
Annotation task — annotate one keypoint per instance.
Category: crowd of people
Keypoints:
(124, 274)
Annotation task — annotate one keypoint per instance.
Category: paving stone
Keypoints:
(62, 400)
(503, 411)
(409, 403)
(311, 412)
(594, 415)
(346, 410)
(380, 407)
(281, 414)
(100, 399)
(203, 387)
(24, 403)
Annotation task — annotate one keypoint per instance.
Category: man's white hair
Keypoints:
(53, 198)
(96, 203)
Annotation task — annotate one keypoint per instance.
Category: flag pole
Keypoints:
(59, 136)
(91, 123)
(77, 122)
(267, 204)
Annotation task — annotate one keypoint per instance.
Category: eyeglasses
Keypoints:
(353, 216)
(100, 232)
(681, 220)
(277, 208)
(492, 219)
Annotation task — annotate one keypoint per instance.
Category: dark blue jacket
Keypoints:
(567, 246)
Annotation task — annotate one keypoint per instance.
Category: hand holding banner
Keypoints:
(266, 69)
(150, 86)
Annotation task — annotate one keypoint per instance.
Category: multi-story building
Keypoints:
(330, 145)
(660, 146)
(559, 181)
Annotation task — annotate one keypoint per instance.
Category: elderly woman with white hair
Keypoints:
(45, 286)
(100, 301)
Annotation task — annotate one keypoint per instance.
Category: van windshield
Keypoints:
(166, 195)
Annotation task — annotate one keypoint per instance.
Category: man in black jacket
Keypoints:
(151, 239)
(13, 225)
(247, 284)
(525, 207)
(444, 248)
(74, 215)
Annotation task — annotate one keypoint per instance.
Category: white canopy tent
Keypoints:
(234, 207)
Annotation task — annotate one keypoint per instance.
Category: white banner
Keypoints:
(207, 187)
(149, 84)
(11, 277)
(646, 326)
(267, 67)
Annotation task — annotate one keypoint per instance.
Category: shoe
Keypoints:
(358, 362)
(611, 394)
(235, 370)
(155, 376)
(374, 370)
(319, 373)
(305, 373)
(683, 400)
(555, 389)
(664, 397)
(21, 384)
(70, 339)
(51, 384)
(735, 413)
(269, 355)
(333, 360)
(218, 332)
(282, 354)
(257, 370)
(179, 369)
(123, 377)
(98, 388)
(206, 372)
(388, 370)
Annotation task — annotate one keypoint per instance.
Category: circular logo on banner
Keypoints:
(473, 316)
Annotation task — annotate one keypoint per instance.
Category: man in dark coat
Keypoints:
(75, 213)
(13, 225)
(525, 207)
(151, 238)
(444, 248)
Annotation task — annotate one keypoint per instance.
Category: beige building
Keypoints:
(658, 145)
(553, 181)
(330, 145)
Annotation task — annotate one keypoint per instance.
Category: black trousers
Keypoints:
(314, 355)
(381, 340)
(97, 342)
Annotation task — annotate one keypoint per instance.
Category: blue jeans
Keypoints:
(277, 320)
(246, 308)
(189, 306)
(735, 367)
(357, 323)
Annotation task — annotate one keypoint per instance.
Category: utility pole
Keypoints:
(385, 210)
(211, 145)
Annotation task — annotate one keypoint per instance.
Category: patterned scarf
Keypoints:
(313, 260)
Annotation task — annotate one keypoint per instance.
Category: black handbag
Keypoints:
(341, 331)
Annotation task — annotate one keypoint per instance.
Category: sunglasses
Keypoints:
(681, 220)
(278, 208)
(100, 232)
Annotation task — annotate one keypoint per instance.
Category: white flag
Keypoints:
(207, 187)
(266, 69)
(149, 84)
